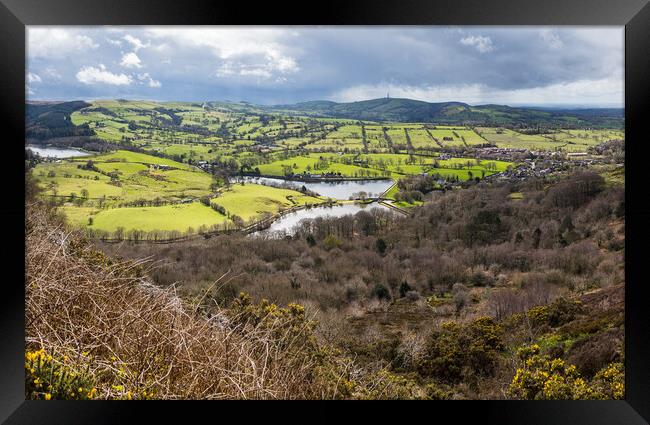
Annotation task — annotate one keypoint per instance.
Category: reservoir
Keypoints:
(52, 152)
(286, 223)
(331, 189)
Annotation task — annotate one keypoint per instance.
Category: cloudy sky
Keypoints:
(577, 66)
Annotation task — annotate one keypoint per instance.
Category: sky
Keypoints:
(543, 66)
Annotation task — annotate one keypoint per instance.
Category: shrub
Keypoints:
(380, 291)
(385, 385)
(558, 313)
(50, 378)
(456, 351)
(563, 311)
(481, 278)
(543, 378)
(592, 353)
(143, 339)
(331, 242)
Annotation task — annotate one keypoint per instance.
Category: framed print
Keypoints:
(418, 201)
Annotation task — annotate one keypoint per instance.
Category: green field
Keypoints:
(566, 140)
(165, 218)
(381, 165)
(135, 191)
(162, 184)
(252, 201)
(123, 177)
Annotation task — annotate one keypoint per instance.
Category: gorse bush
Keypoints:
(543, 378)
(457, 351)
(559, 312)
(50, 378)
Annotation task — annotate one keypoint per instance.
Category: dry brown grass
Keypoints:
(133, 335)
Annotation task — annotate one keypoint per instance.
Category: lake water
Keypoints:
(287, 222)
(334, 189)
(53, 152)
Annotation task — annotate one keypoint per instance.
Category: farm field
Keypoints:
(252, 201)
(135, 191)
(123, 177)
(380, 165)
(566, 140)
(506, 138)
(179, 218)
(581, 140)
(178, 145)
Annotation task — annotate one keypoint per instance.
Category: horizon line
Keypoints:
(513, 105)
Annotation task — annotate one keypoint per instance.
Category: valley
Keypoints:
(177, 161)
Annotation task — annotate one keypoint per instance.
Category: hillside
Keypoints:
(545, 321)
(45, 120)
(457, 113)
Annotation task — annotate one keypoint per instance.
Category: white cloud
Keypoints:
(131, 60)
(47, 42)
(52, 74)
(135, 42)
(482, 44)
(33, 78)
(230, 69)
(250, 52)
(551, 38)
(117, 43)
(146, 78)
(99, 75)
(304, 63)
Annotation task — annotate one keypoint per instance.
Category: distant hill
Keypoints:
(47, 120)
(408, 110)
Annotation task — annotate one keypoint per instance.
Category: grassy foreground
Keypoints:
(97, 329)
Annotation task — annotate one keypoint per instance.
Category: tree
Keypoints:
(380, 291)
(461, 296)
(404, 288)
(381, 246)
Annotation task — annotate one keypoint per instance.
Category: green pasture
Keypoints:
(168, 217)
(252, 201)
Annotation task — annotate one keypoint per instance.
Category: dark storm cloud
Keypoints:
(515, 65)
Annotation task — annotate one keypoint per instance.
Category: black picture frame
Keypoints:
(15, 15)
